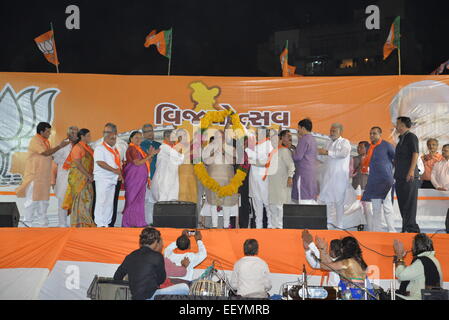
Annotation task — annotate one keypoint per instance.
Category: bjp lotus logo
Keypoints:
(21, 112)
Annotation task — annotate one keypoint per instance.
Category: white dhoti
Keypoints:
(258, 206)
(60, 191)
(387, 206)
(104, 203)
(276, 215)
(226, 212)
(35, 212)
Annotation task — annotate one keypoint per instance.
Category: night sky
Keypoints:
(214, 38)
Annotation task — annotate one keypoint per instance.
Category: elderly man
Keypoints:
(35, 187)
(406, 174)
(165, 183)
(60, 158)
(379, 160)
(121, 146)
(258, 188)
(440, 171)
(251, 275)
(336, 174)
(147, 143)
(107, 174)
(279, 172)
(305, 185)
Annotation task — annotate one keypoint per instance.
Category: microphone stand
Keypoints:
(304, 283)
(347, 279)
(215, 272)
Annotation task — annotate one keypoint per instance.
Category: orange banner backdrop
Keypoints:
(41, 248)
(89, 100)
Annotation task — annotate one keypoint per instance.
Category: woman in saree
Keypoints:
(136, 173)
(79, 196)
(351, 267)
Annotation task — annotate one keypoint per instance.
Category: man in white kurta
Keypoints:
(107, 171)
(251, 275)
(258, 187)
(336, 158)
(279, 173)
(62, 174)
(165, 183)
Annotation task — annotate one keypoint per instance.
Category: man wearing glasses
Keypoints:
(147, 143)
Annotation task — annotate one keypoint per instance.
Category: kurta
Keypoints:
(281, 168)
(222, 173)
(380, 178)
(336, 171)
(258, 188)
(37, 170)
(305, 157)
(165, 183)
(440, 174)
(62, 175)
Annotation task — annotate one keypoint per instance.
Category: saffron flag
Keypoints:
(287, 70)
(162, 40)
(46, 44)
(393, 40)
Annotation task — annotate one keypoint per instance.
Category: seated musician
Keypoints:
(145, 268)
(250, 277)
(424, 272)
(350, 266)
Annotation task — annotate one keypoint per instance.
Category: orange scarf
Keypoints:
(115, 153)
(170, 144)
(144, 155)
(68, 161)
(270, 157)
(45, 141)
(367, 160)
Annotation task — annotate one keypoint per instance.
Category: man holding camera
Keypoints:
(177, 251)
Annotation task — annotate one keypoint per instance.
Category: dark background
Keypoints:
(219, 38)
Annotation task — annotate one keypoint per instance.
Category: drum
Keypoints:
(206, 288)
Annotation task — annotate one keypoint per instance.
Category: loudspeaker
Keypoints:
(9, 214)
(305, 216)
(175, 214)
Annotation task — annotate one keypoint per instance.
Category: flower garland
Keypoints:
(200, 169)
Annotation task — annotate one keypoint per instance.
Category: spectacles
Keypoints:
(146, 131)
(108, 132)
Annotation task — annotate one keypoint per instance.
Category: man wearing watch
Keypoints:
(280, 169)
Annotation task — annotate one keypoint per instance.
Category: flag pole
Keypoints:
(399, 58)
(171, 51)
(54, 46)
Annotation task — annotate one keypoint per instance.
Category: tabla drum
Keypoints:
(206, 288)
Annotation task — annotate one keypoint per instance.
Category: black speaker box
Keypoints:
(305, 216)
(9, 214)
(175, 214)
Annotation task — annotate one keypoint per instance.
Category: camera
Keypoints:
(191, 233)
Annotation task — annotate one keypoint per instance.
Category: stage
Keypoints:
(60, 263)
